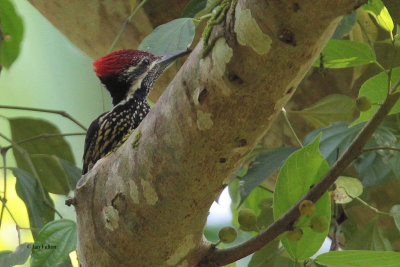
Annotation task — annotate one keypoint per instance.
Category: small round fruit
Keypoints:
(307, 208)
(247, 219)
(227, 234)
(265, 203)
(319, 223)
(363, 103)
(294, 235)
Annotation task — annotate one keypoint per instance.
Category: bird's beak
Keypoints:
(166, 59)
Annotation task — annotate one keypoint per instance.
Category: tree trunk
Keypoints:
(147, 203)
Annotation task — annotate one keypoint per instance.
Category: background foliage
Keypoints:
(42, 148)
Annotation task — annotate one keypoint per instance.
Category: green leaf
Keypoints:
(395, 165)
(378, 10)
(301, 170)
(12, 28)
(329, 109)
(344, 54)
(338, 136)
(265, 164)
(346, 25)
(255, 198)
(193, 7)
(51, 173)
(369, 237)
(395, 212)
(175, 35)
(347, 188)
(73, 173)
(66, 263)
(373, 167)
(65, 174)
(266, 256)
(18, 257)
(376, 89)
(53, 178)
(266, 217)
(285, 261)
(359, 258)
(253, 201)
(234, 192)
(29, 190)
(242, 171)
(55, 241)
(211, 232)
(334, 140)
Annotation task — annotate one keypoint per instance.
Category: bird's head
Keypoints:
(127, 71)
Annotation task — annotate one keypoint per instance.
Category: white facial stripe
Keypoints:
(136, 84)
(132, 68)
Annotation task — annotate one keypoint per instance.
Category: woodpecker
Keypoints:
(128, 75)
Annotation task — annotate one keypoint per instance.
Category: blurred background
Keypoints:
(51, 73)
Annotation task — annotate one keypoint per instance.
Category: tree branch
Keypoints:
(42, 136)
(147, 203)
(381, 148)
(59, 112)
(33, 169)
(229, 255)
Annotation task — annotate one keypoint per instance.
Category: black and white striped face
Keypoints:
(125, 72)
(135, 74)
(122, 70)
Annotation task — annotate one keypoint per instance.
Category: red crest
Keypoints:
(117, 61)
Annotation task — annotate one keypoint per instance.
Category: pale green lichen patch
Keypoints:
(249, 33)
(111, 218)
(214, 67)
(185, 247)
(133, 191)
(204, 121)
(221, 56)
(150, 195)
(137, 138)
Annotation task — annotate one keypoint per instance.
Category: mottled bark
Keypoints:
(147, 203)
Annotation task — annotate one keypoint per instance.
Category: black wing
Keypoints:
(90, 142)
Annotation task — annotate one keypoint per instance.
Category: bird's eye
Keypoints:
(146, 61)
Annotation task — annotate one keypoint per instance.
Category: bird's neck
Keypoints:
(122, 90)
(134, 99)
(134, 107)
(143, 90)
